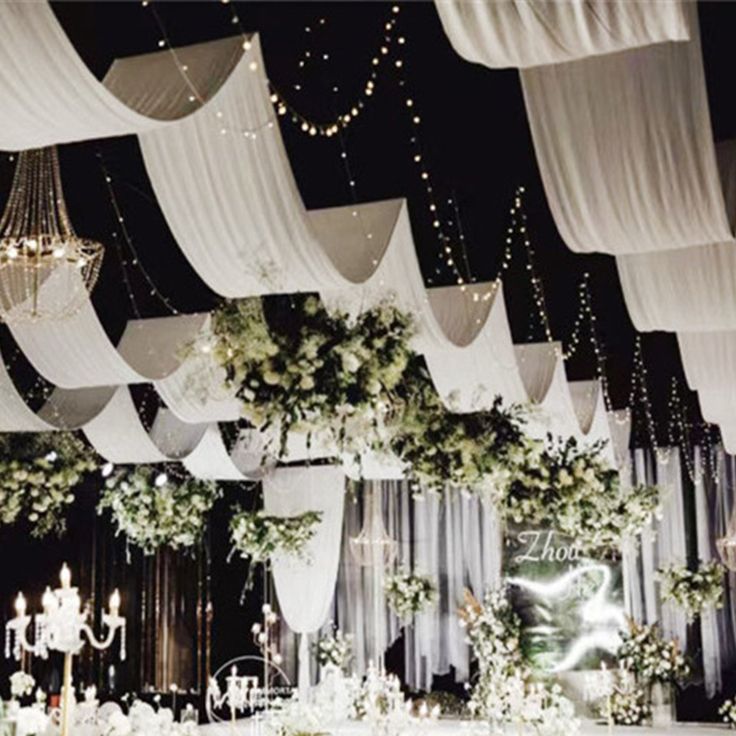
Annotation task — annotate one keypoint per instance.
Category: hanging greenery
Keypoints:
(259, 537)
(574, 489)
(408, 593)
(38, 475)
(693, 590)
(296, 366)
(155, 507)
(478, 450)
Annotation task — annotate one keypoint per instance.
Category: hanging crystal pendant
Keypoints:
(373, 546)
(46, 270)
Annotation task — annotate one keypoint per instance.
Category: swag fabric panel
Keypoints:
(50, 96)
(524, 33)
(305, 588)
(625, 148)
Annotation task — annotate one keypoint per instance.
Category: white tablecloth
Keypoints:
(466, 728)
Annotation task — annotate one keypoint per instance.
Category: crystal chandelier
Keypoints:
(373, 547)
(46, 270)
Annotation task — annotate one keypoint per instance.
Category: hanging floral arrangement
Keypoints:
(693, 590)
(409, 594)
(478, 450)
(574, 488)
(260, 537)
(296, 366)
(38, 475)
(155, 507)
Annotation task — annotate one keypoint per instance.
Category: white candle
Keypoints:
(65, 576)
(20, 605)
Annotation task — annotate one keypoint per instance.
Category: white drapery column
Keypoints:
(305, 588)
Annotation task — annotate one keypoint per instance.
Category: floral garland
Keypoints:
(154, 509)
(504, 691)
(644, 653)
(573, 486)
(38, 474)
(727, 711)
(408, 594)
(335, 650)
(259, 537)
(305, 368)
(475, 450)
(693, 590)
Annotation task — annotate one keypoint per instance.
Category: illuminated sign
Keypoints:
(571, 605)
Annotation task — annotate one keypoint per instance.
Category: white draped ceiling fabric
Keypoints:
(206, 108)
(526, 33)
(628, 162)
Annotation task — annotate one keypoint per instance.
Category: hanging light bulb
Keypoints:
(46, 270)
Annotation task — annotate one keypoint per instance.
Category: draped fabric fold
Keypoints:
(305, 589)
(49, 95)
(524, 33)
(625, 149)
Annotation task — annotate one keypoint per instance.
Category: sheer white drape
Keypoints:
(709, 632)
(662, 544)
(450, 537)
(305, 588)
(625, 149)
(522, 33)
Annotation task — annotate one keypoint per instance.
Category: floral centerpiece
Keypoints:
(334, 650)
(629, 703)
(155, 508)
(259, 537)
(21, 684)
(504, 690)
(646, 654)
(727, 711)
(693, 590)
(301, 367)
(38, 475)
(408, 593)
(573, 487)
(475, 450)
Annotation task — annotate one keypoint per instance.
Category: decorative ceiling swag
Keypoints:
(524, 33)
(50, 96)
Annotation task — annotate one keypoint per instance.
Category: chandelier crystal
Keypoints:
(46, 270)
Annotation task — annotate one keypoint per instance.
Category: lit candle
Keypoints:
(115, 602)
(47, 600)
(20, 605)
(65, 576)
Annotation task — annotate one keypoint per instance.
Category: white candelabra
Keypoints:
(60, 628)
(241, 692)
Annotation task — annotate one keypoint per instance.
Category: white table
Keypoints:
(247, 727)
